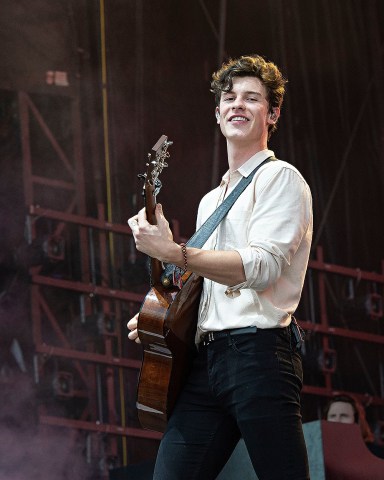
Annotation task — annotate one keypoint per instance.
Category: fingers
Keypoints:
(163, 223)
(132, 326)
(142, 218)
(159, 213)
(153, 240)
(133, 223)
(138, 220)
(134, 336)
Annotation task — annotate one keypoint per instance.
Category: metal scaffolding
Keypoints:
(89, 281)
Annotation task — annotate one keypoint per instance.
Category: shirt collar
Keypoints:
(250, 164)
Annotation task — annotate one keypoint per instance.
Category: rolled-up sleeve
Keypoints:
(280, 218)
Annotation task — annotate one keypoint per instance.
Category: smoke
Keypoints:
(40, 455)
(29, 451)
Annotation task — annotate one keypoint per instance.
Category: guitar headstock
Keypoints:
(155, 165)
(152, 185)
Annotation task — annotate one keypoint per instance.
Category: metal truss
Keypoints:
(327, 326)
(77, 317)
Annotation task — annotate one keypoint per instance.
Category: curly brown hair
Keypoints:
(251, 66)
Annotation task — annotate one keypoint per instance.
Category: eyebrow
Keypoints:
(249, 92)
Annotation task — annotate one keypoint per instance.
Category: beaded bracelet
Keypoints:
(184, 252)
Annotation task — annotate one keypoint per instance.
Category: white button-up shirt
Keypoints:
(270, 226)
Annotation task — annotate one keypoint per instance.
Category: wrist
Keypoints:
(173, 254)
(183, 247)
(177, 255)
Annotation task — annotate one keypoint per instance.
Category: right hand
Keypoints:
(132, 326)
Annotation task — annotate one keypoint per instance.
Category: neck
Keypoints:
(239, 154)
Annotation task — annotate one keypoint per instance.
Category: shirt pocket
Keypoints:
(234, 228)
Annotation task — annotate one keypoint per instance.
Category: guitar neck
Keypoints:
(150, 205)
(156, 163)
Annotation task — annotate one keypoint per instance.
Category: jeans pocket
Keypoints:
(259, 357)
(243, 345)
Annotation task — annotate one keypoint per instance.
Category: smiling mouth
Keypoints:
(238, 119)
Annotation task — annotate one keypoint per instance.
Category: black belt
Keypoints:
(210, 337)
(297, 334)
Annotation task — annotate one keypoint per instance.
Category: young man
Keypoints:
(247, 377)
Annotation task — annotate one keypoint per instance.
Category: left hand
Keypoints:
(154, 240)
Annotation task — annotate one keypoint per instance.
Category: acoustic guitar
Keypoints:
(167, 319)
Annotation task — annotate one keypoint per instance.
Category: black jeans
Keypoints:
(240, 386)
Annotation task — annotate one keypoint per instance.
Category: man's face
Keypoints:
(244, 111)
(341, 412)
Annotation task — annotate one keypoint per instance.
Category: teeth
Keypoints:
(238, 118)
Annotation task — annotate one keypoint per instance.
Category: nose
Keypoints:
(238, 104)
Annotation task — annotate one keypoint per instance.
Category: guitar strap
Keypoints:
(201, 235)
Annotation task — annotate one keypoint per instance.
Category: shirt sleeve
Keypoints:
(278, 223)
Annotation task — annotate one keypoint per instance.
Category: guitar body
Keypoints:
(167, 320)
(167, 329)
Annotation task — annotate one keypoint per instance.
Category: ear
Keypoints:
(273, 115)
(217, 115)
